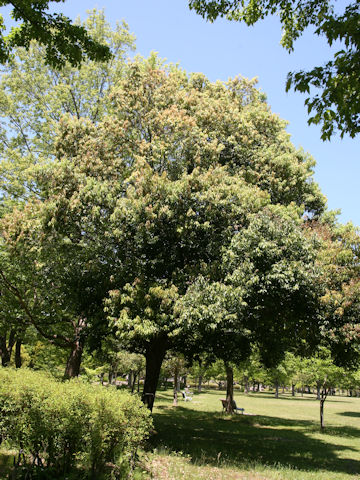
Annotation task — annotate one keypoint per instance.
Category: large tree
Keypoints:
(63, 40)
(192, 196)
(336, 102)
(145, 202)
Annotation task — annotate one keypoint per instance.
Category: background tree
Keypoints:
(324, 375)
(175, 366)
(339, 259)
(278, 376)
(337, 105)
(34, 97)
(251, 371)
(63, 41)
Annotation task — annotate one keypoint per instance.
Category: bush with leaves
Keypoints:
(61, 425)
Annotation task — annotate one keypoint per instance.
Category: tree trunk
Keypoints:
(324, 394)
(176, 382)
(276, 390)
(155, 354)
(200, 383)
(229, 388)
(134, 383)
(18, 360)
(246, 385)
(6, 347)
(292, 390)
(317, 392)
(77, 346)
(322, 413)
(130, 379)
(74, 361)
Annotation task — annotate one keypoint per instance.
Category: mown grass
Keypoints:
(276, 439)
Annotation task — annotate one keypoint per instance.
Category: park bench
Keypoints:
(186, 397)
(235, 407)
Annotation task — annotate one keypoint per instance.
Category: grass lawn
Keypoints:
(275, 439)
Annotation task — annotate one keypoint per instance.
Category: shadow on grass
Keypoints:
(308, 397)
(350, 414)
(244, 440)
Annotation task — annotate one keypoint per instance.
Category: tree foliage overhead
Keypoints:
(63, 40)
(336, 102)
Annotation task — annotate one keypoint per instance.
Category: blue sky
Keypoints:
(224, 49)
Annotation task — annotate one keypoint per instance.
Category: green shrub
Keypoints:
(63, 424)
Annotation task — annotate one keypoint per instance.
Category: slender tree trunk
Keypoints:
(317, 392)
(324, 394)
(276, 390)
(130, 379)
(229, 388)
(200, 383)
(246, 385)
(176, 384)
(155, 354)
(292, 390)
(18, 360)
(322, 413)
(134, 383)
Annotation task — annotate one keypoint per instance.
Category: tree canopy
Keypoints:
(63, 40)
(180, 208)
(336, 102)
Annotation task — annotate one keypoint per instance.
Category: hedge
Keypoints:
(60, 425)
